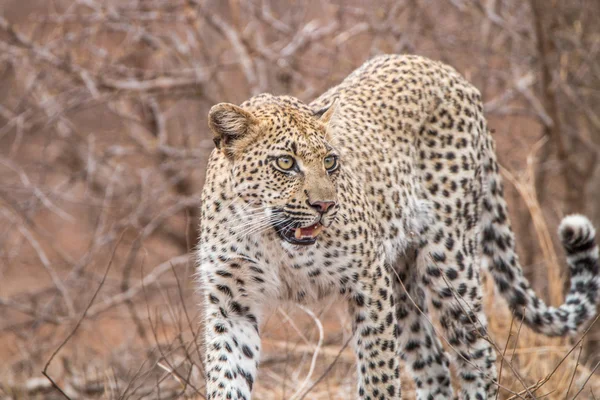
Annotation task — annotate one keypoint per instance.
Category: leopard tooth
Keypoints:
(318, 230)
(298, 233)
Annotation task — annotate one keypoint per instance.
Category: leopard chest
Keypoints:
(308, 274)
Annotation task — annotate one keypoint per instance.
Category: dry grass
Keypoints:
(102, 152)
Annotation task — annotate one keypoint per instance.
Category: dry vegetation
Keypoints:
(103, 144)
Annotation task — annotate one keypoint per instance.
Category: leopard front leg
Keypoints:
(376, 335)
(231, 337)
(421, 349)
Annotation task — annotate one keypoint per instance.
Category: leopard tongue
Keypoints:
(309, 232)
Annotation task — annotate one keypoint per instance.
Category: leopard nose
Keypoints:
(322, 206)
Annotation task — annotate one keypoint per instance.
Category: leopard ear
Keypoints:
(229, 123)
(325, 113)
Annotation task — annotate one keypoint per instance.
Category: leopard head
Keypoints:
(282, 164)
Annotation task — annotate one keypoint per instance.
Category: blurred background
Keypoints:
(103, 147)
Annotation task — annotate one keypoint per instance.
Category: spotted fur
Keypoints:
(416, 208)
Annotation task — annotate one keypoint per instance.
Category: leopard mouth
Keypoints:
(303, 236)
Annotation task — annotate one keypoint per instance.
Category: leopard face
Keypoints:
(281, 164)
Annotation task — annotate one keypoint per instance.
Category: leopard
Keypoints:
(384, 192)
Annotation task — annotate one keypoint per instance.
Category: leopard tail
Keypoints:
(499, 256)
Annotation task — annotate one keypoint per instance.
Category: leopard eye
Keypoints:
(285, 163)
(330, 163)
